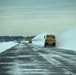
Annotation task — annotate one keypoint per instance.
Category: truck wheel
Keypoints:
(54, 44)
(45, 44)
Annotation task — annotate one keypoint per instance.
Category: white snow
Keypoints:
(23, 41)
(6, 45)
(65, 41)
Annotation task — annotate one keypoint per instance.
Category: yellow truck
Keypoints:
(50, 40)
(30, 40)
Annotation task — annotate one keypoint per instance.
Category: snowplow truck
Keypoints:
(50, 40)
(30, 40)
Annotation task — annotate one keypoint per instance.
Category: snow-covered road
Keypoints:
(28, 59)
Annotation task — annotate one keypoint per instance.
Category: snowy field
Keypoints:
(6, 45)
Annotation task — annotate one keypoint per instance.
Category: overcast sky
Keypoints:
(31, 17)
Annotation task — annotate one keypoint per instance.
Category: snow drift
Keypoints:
(65, 41)
(6, 45)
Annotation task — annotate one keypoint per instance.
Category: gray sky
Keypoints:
(31, 17)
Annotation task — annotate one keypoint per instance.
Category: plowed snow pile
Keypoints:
(6, 45)
(65, 41)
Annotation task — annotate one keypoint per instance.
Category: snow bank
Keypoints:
(67, 40)
(24, 41)
(6, 45)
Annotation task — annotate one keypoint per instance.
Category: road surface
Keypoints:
(28, 59)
